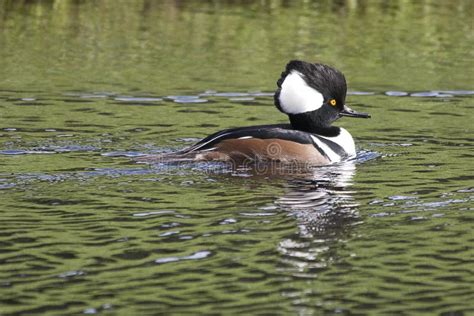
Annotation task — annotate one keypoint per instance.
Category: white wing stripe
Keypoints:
(209, 141)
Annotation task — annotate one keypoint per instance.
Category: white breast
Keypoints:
(344, 139)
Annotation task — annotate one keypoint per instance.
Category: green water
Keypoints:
(87, 86)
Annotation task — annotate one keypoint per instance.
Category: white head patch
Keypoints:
(297, 97)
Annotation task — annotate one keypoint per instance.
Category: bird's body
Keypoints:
(313, 96)
(272, 142)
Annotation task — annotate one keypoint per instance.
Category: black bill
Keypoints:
(347, 111)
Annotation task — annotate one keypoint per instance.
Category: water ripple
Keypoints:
(195, 256)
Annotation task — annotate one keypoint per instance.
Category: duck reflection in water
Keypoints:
(322, 202)
(319, 197)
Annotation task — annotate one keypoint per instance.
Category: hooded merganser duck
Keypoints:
(313, 96)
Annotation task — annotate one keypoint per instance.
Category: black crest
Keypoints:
(325, 79)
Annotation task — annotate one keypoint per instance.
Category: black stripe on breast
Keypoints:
(338, 149)
(319, 149)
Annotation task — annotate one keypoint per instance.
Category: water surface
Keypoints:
(85, 88)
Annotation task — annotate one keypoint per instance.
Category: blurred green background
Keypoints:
(164, 46)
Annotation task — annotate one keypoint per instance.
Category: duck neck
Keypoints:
(311, 124)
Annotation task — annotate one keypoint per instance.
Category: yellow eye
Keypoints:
(332, 102)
